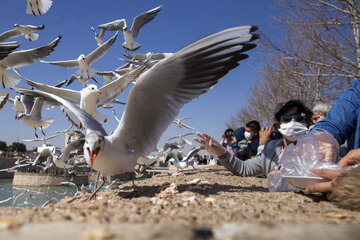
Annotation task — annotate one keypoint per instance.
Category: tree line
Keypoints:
(315, 60)
(14, 147)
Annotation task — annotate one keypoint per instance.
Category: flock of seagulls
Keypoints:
(161, 84)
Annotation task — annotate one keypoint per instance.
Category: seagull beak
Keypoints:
(93, 155)
(99, 92)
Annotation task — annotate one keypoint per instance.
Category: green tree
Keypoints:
(17, 147)
(3, 146)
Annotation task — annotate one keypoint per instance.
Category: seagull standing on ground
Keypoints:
(23, 58)
(157, 97)
(84, 62)
(27, 30)
(129, 34)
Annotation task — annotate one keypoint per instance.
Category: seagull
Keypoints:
(181, 164)
(157, 97)
(7, 47)
(44, 140)
(129, 34)
(4, 97)
(91, 97)
(179, 123)
(83, 81)
(34, 119)
(149, 55)
(27, 30)
(23, 58)
(84, 62)
(60, 161)
(38, 7)
(18, 105)
(99, 38)
(66, 130)
(183, 140)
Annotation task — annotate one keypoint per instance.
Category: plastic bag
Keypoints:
(314, 150)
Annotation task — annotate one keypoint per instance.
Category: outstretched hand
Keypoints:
(209, 144)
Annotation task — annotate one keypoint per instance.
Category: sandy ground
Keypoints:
(218, 205)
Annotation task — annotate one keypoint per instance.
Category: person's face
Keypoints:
(229, 135)
(317, 116)
(253, 134)
(292, 116)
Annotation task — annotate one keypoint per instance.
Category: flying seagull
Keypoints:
(180, 124)
(38, 7)
(91, 97)
(84, 62)
(129, 34)
(23, 58)
(27, 30)
(34, 118)
(157, 97)
(44, 140)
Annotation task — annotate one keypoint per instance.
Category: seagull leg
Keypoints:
(93, 196)
(36, 134)
(42, 131)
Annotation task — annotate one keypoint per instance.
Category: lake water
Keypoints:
(34, 196)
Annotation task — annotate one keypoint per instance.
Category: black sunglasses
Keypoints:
(298, 117)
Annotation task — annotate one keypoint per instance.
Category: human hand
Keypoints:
(351, 158)
(209, 144)
(323, 187)
(265, 135)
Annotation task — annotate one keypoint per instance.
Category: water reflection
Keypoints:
(37, 196)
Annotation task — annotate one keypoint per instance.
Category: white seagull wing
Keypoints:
(142, 19)
(6, 48)
(4, 97)
(86, 120)
(28, 102)
(114, 25)
(112, 90)
(101, 50)
(27, 57)
(160, 93)
(9, 34)
(68, 94)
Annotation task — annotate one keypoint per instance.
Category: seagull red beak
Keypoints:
(93, 155)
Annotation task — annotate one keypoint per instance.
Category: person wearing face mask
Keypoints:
(251, 134)
(294, 119)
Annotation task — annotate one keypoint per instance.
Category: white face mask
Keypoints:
(247, 136)
(293, 130)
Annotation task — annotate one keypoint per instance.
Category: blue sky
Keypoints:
(177, 24)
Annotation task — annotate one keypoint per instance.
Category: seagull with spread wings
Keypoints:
(129, 34)
(26, 30)
(44, 140)
(91, 97)
(84, 62)
(180, 124)
(157, 97)
(34, 118)
(23, 58)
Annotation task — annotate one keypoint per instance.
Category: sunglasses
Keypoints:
(298, 117)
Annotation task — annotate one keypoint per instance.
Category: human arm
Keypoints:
(250, 167)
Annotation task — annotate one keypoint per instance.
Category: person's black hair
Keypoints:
(229, 130)
(281, 109)
(254, 126)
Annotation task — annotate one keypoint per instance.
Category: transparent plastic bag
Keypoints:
(314, 150)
